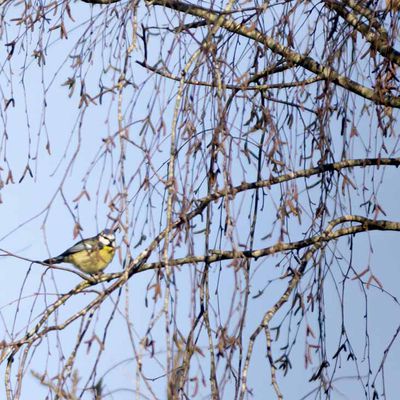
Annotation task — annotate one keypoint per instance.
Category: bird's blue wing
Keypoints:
(86, 244)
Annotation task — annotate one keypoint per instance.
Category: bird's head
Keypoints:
(107, 237)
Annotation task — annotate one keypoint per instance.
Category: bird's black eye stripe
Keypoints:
(111, 242)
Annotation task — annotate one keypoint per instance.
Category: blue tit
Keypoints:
(90, 255)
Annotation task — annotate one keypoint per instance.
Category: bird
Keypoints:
(90, 255)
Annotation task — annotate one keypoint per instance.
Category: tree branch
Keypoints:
(324, 71)
(366, 224)
(378, 41)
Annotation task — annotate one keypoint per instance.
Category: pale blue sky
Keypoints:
(22, 201)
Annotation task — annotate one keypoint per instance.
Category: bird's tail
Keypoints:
(54, 260)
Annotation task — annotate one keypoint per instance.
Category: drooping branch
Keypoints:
(298, 273)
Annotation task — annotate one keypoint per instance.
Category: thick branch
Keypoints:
(218, 255)
(325, 72)
(378, 41)
(303, 173)
(358, 7)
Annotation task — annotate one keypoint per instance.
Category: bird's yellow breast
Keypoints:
(92, 261)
